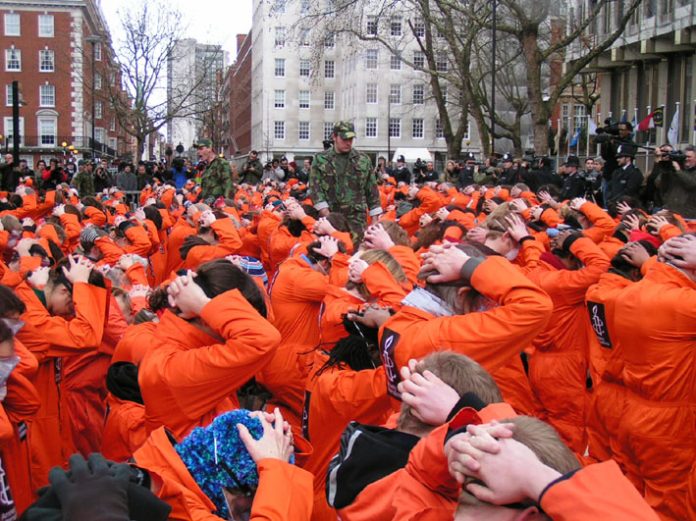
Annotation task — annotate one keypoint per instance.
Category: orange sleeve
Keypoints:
(6, 430)
(201, 378)
(22, 401)
(597, 491)
(669, 231)
(136, 274)
(409, 261)
(550, 218)
(345, 238)
(285, 492)
(228, 235)
(338, 275)
(491, 337)
(111, 253)
(139, 241)
(95, 216)
(602, 224)
(85, 330)
(382, 286)
(71, 226)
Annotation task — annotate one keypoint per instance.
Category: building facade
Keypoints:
(651, 65)
(194, 73)
(297, 93)
(236, 99)
(48, 47)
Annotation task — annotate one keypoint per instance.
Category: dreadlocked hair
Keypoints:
(354, 350)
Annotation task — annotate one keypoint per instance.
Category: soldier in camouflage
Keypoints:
(216, 181)
(342, 180)
(84, 180)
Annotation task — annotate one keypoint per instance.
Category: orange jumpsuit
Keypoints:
(49, 338)
(558, 367)
(494, 338)
(189, 377)
(655, 323)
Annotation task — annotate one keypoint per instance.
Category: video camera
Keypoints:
(675, 155)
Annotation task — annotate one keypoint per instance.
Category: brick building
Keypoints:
(47, 46)
(236, 96)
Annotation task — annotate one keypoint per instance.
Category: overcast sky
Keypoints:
(209, 21)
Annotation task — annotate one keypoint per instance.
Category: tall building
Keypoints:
(651, 65)
(194, 73)
(236, 101)
(296, 96)
(48, 47)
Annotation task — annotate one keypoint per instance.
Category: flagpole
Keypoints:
(676, 113)
(587, 136)
(693, 127)
(647, 140)
(558, 144)
(663, 127)
(599, 118)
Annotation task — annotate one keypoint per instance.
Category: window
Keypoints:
(304, 7)
(445, 94)
(329, 100)
(304, 38)
(439, 131)
(97, 51)
(98, 110)
(112, 125)
(565, 113)
(279, 99)
(394, 127)
(330, 41)
(279, 6)
(13, 60)
(47, 95)
(371, 93)
(280, 67)
(47, 61)
(9, 130)
(580, 118)
(371, 56)
(394, 63)
(395, 26)
(395, 93)
(372, 25)
(419, 28)
(12, 24)
(8, 95)
(280, 37)
(113, 143)
(418, 94)
(99, 135)
(328, 130)
(467, 133)
(441, 62)
(417, 129)
(304, 68)
(303, 131)
(47, 131)
(279, 129)
(46, 26)
(329, 69)
(371, 127)
(97, 81)
(304, 99)
(418, 59)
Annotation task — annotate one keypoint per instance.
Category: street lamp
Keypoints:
(94, 40)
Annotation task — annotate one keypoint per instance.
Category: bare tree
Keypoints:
(151, 31)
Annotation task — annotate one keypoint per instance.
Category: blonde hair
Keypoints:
(389, 262)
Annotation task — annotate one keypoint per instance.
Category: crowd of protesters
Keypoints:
(499, 341)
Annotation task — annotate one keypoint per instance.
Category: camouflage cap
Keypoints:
(204, 142)
(344, 129)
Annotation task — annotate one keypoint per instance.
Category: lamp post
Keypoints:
(94, 40)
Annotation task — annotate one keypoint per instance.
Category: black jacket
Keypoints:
(624, 181)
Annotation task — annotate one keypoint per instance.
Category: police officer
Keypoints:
(509, 175)
(216, 180)
(342, 180)
(401, 173)
(466, 174)
(627, 178)
(573, 182)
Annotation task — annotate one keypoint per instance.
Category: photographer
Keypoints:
(677, 187)
(664, 164)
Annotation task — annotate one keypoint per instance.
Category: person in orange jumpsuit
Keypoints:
(238, 464)
(67, 317)
(298, 290)
(514, 311)
(217, 340)
(657, 428)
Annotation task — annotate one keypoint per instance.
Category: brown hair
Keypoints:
(389, 262)
(396, 233)
(461, 373)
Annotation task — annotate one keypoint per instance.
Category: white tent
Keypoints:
(412, 154)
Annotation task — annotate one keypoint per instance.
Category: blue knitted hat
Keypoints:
(198, 452)
(253, 267)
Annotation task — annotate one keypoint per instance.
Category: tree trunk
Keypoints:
(141, 147)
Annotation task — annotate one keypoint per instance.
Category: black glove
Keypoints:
(93, 490)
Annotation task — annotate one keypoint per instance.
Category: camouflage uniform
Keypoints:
(84, 183)
(252, 177)
(216, 181)
(345, 183)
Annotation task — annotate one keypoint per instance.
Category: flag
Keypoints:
(576, 138)
(634, 122)
(592, 127)
(624, 117)
(659, 117)
(647, 123)
(673, 132)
